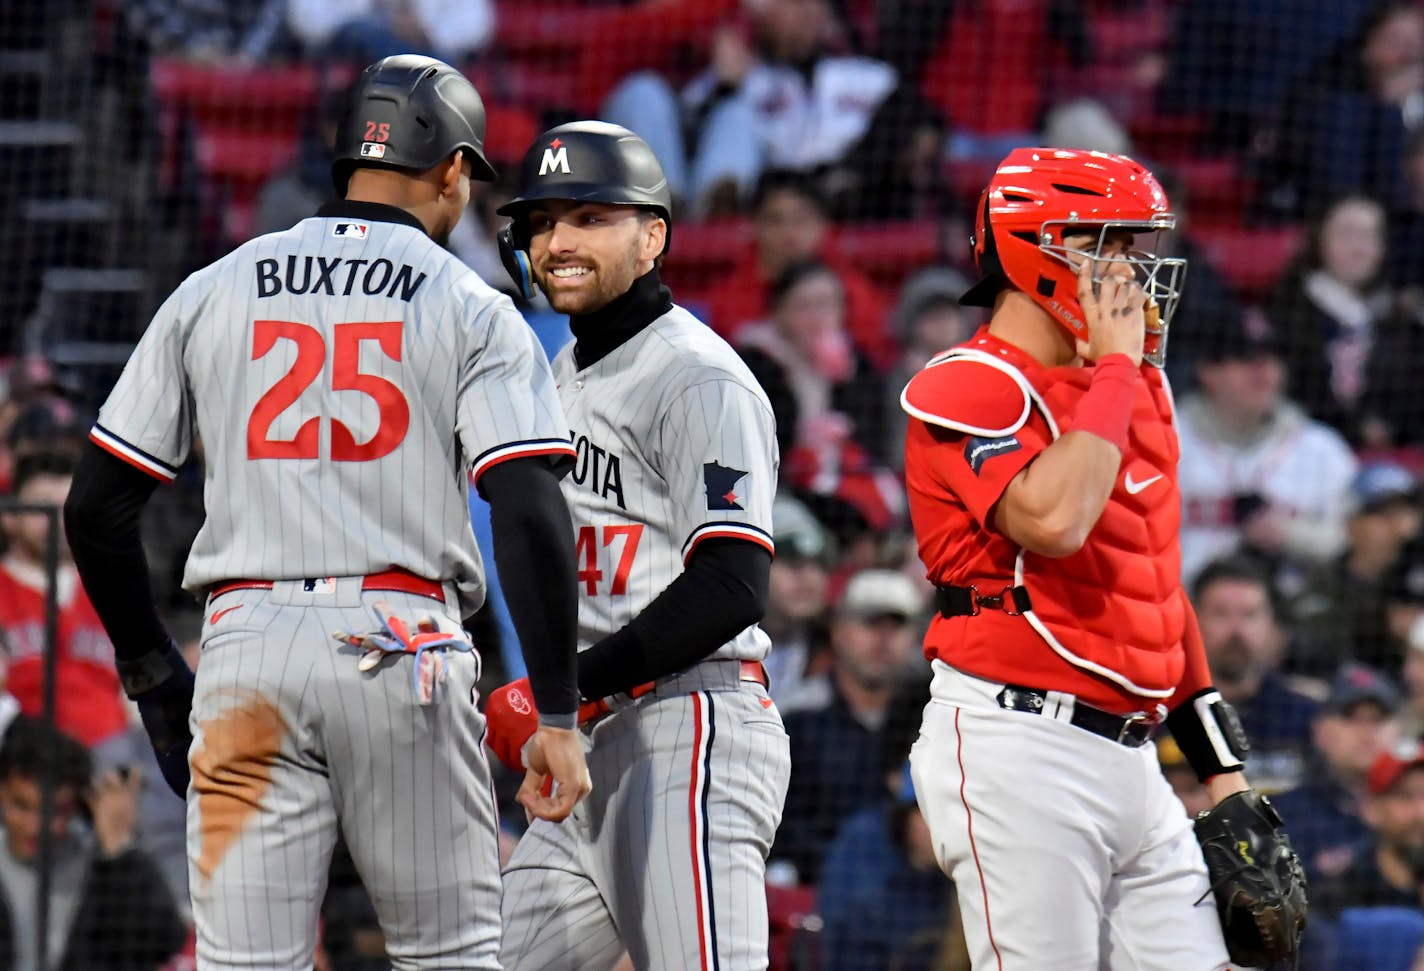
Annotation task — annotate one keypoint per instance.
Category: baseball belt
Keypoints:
(391, 581)
(1132, 730)
(714, 674)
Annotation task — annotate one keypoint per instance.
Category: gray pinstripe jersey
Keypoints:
(343, 377)
(675, 444)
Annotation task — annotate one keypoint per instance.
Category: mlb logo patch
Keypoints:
(373, 150)
(350, 230)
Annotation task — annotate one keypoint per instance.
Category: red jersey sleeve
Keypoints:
(979, 418)
(1195, 675)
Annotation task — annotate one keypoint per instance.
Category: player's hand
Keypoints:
(1114, 309)
(554, 754)
(113, 804)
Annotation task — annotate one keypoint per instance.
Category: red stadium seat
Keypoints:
(795, 927)
(887, 252)
(243, 158)
(264, 97)
(703, 252)
(1251, 259)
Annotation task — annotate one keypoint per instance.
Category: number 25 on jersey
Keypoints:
(588, 549)
(345, 375)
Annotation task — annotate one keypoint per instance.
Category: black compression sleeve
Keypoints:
(101, 522)
(722, 592)
(534, 552)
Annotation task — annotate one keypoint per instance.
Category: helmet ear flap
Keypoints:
(514, 254)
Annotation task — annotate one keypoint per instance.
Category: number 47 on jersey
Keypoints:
(587, 551)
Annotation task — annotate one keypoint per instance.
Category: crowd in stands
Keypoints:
(824, 156)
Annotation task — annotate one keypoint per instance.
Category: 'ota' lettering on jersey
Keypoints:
(721, 485)
(597, 467)
(977, 450)
(319, 274)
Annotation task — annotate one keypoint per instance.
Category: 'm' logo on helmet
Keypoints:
(556, 158)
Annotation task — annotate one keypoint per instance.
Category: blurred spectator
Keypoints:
(1182, 777)
(791, 224)
(1345, 125)
(774, 96)
(296, 192)
(1245, 644)
(368, 30)
(837, 756)
(1389, 408)
(1343, 603)
(89, 704)
(796, 608)
(1255, 472)
(927, 320)
(838, 394)
(1208, 305)
(1404, 601)
(1388, 866)
(882, 895)
(1087, 124)
(1328, 307)
(108, 907)
(244, 31)
(1350, 730)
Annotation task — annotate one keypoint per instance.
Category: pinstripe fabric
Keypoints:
(623, 864)
(472, 375)
(409, 787)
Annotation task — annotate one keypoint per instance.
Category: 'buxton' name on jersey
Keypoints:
(318, 274)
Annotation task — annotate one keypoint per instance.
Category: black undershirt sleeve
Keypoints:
(101, 522)
(534, 553)
(722, 592)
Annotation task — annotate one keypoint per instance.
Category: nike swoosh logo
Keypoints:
(220, 614)
(1133, 488)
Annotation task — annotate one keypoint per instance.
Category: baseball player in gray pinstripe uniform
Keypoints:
(671, 498)
(348, 379)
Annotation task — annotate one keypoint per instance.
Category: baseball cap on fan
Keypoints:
(1247, 336)
(1379, 485)
(1391, 764)
(797, 532)
(1356, 684)
(1405, 581)
(871, 594)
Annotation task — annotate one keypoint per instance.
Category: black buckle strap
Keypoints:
(1132, 730)
(968, 601)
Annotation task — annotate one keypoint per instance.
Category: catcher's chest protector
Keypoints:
(1116, 603)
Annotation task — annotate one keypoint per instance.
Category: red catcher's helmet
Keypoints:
(1039, 195)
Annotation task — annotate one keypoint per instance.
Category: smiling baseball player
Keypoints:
(348, 378)
(671, 498)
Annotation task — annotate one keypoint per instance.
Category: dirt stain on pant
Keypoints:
(232, 772)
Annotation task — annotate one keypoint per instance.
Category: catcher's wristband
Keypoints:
(1209, 733)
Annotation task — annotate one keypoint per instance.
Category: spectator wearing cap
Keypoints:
(837, 756)
(1350, 730)
(1245, 643)
(796, 608)
(927, 319)
(1343, 602)
(1387, 868)
(1255, 472)
(299, 188)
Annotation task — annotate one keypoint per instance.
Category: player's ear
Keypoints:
(450, 173)
(655, 235)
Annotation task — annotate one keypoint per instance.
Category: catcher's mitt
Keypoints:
(1256, 877)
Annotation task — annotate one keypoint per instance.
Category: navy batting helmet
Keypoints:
(582, 161)
(410, 111)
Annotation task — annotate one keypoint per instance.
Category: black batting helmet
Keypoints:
(410, 111)
(590, 161)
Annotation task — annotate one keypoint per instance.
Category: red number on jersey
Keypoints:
(346, 375)
(311, 355)
(586, 554)
(390, 400)
(631, 534)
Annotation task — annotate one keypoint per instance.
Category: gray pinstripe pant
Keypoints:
(667, 857)
(292, 741)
